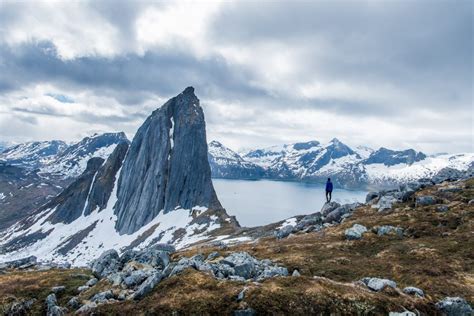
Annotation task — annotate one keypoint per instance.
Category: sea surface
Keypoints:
(262, 202)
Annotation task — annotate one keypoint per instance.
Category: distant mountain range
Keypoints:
(348, 167)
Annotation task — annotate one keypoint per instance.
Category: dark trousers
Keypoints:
(328, 196)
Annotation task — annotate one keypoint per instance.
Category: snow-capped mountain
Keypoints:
(32, 154)
(353, 168)
(58, 158)
(225, 163)
(158, 189)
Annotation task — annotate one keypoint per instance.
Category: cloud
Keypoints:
(394, 74)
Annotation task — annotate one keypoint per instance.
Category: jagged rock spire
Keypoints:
(166, 167)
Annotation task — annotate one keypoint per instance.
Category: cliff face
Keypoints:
(166, 167)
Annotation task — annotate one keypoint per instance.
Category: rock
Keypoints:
(15, 264)
(355, 232)
(454, 306)
(52, 308)
(405, 313)
(116, 278)
(388, 229)
(329, 207)
(295, 273)
(339, 213)
(108, 263)
(309, 221)
(213, 255)
(447, 174)
(92, 282)
(377, 284)
(170, 143)
(270, 272)
(245, 312)
(165, 247)
(410, 290)
(18, 308)
(425, 200)
(242, 263)
(153, 257)
(135, 278)
(58, 289)
(86, 309)
(82, 288)
(442, 208)
(74, 302)
(182, 265)
(471, 202)
(102, 297)
(284, 232)
(385, 203)
(63, 265)
(147, 286)
(371, 196)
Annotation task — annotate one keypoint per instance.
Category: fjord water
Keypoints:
(262, 202)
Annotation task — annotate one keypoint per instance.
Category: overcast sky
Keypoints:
(389, 73)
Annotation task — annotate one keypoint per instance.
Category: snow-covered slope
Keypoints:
(32, 154)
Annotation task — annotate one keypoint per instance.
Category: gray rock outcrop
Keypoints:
(167, 165)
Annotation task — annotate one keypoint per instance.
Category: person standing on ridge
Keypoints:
(328, 190)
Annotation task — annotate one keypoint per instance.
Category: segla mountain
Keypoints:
(156, 190)
(313, 161)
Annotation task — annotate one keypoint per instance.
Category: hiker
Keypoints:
(328, 190)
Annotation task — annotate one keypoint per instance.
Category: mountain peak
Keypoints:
(188, 90)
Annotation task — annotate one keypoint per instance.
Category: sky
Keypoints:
(393, 73)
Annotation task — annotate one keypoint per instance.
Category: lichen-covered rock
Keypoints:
(166, 166)
(454, 306)
(86, 309)
(135, 278)
(355, 232)
(74, 303)
(58, 289)
(108, 263)
(411, 290)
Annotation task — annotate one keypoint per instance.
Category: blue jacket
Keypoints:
(329, 186)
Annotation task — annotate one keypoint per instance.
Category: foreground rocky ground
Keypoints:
(406, 250)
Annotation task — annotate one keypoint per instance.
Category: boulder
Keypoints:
(425, 200)
(447, 174)
(309, 221)
(147, 285)
(108, 263)
(388, 229)
(102, 297)
(411, 290)
(74, 302)
(135, 278)
(454, 306)
(242, 263)
(385, 203)
(377, 284)
(329, 207)
(270, 272)
(355, 232)
(284, 231)
(82, 288)
(116, 278)
(18, 308)
(52, 308)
